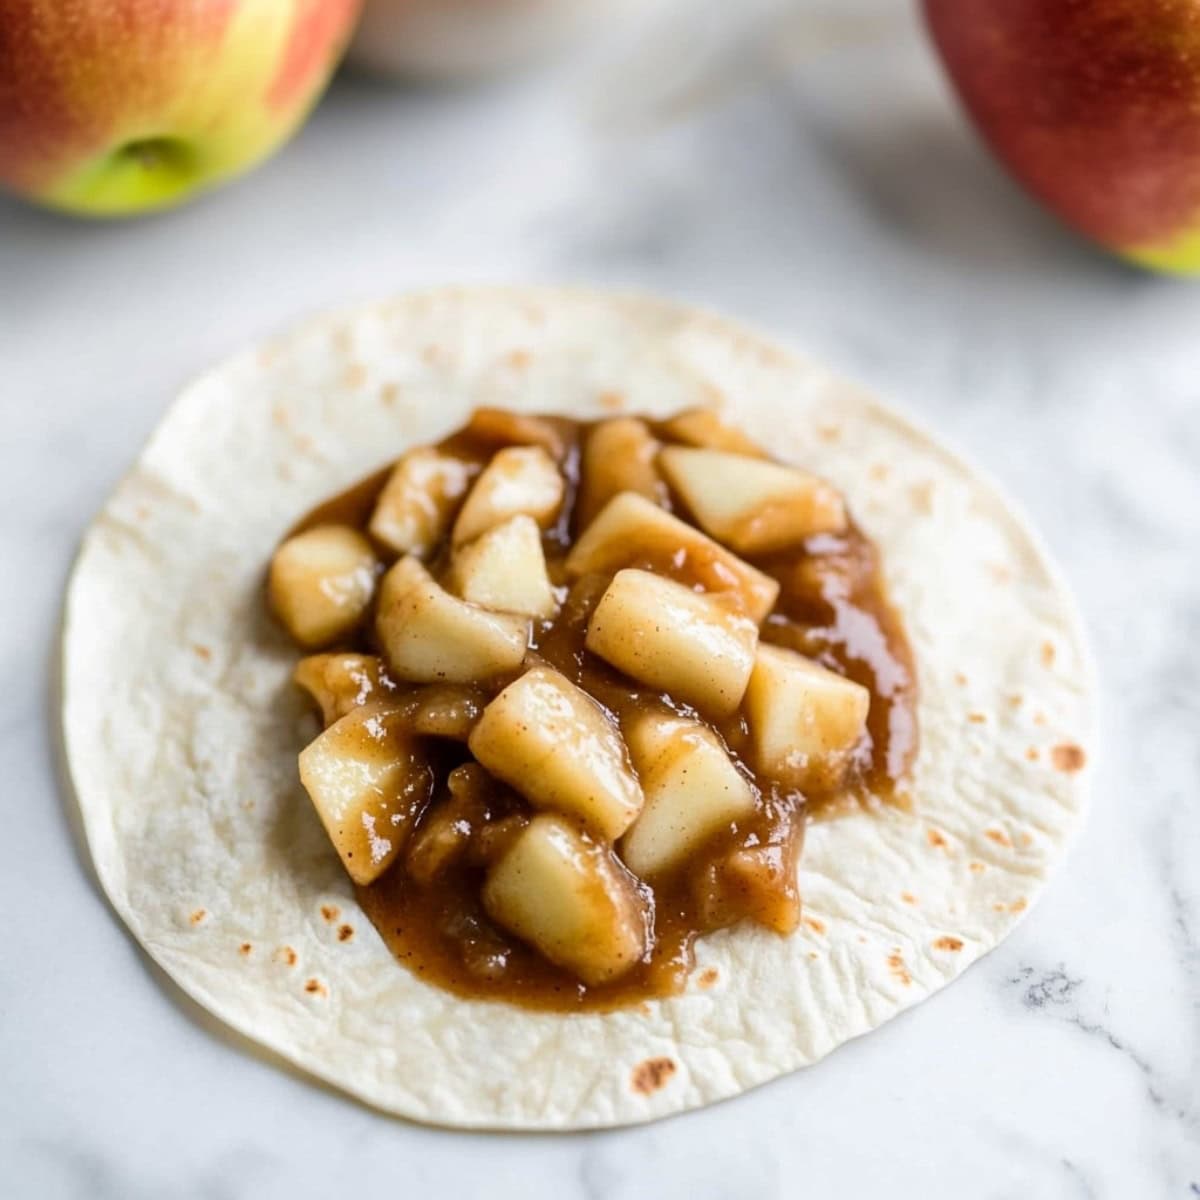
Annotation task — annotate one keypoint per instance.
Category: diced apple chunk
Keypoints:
(419, 500)
(519, 479)
(749, 504)
(449, 825)
(754, 882)
(702, 427)
(430, 636)
(696, 647)
(564, 894)
(763, 878)
(618, 456)
(556, 746)
(632, 529)
(804, 719)
(321, 583)
(475, 823)
(439, 843)
(340, 682)
(500, 427)
(404, 574)
(692, 789)
(821, 579)
(368, 782)
(445, 710)
(496, 837)
(504, 569)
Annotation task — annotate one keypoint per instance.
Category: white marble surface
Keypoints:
(815, 180)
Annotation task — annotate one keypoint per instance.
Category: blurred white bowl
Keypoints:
(461, 39)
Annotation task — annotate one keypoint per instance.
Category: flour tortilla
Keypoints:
(182, 728)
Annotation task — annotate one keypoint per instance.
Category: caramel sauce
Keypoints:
(832, 607)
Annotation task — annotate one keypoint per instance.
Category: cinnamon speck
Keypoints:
(960, 679)
(244, 949)
(921, 497)
(434, 355)
(862, 939)
(813, 954)
(1039, 718)
(1016, 700)
(519, 359)
(952, 944)
(829, 433)
(936, 838)
(977, 718)
(1033, 754)
(815, 924)
(1025, 839)
(314, 987)
(1000, 908)
(330, 912)
(998, 836)
(389, 393)
(976, 867)
(1020, 904)
(896, 965)
(708, 977)
(1049, 653)
(651, 1075)
(612, 401)
(198, 916)
(1068, 757)
(202, 652)
(908, 898)
(286, 955)
(345, 932)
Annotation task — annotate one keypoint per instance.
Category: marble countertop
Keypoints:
(805, 172)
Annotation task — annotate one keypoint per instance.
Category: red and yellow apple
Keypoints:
(110, 107)
(1094, 106)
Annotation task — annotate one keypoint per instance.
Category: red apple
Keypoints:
(1095, 106)
(114, 106)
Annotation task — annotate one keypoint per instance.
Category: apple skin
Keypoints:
(1094, 106)
(112, 107)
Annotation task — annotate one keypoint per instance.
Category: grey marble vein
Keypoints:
(1054, 991)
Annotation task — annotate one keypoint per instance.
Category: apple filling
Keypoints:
(582, 687)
